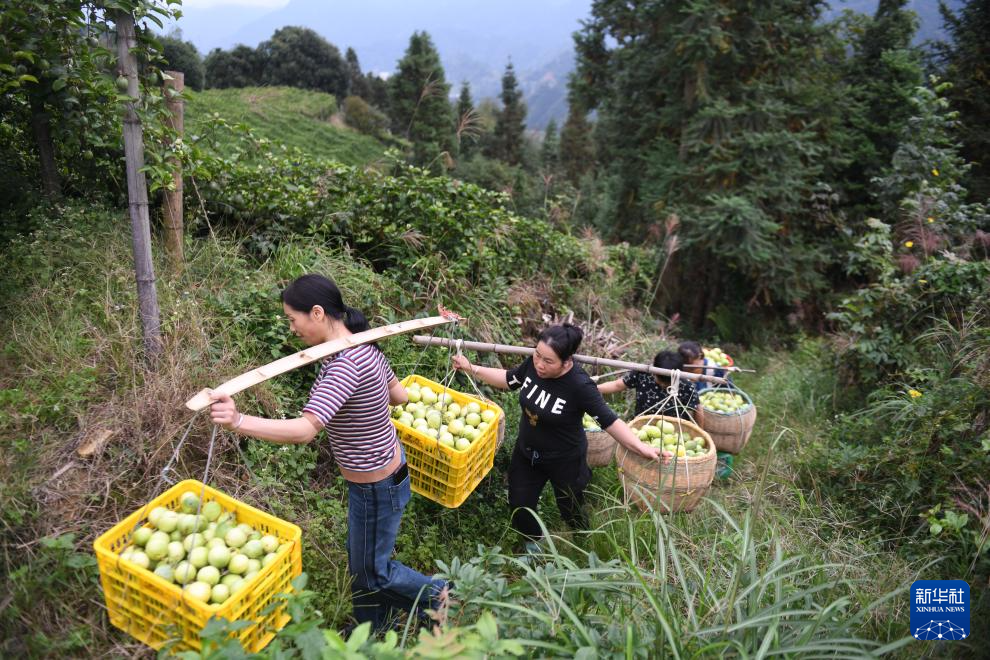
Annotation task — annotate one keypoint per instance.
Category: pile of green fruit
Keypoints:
(589, 423)
(717, 356)
(667, 437)
(209, 554)
(728, 403)
(443, 419)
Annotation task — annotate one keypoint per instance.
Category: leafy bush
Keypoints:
(364, 118)
(913, 462)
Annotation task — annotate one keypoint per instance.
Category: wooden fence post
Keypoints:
(172, 204)
(137, 190)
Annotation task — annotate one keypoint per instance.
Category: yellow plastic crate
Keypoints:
(155, 611)
(442, 474)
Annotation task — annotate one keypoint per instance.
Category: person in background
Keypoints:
(696, 362)
(351, 400)
(652, 390)
(554, 395)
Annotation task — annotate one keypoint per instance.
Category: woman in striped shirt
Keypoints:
(350, 400)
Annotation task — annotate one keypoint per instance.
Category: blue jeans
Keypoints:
(380, 583)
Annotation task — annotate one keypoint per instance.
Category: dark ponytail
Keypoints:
(690, 350)
(310, 290)
(564, 339)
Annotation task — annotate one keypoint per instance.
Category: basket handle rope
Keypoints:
(499, 437)
(163, 478)
(672, 397)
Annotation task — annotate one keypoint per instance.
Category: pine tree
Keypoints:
(881, 78)
(718, 112)
(468, 123)
(418, 105)
(377, 91)
(577, 152)
(550, 150)
(357, 83)
(967, 67)
(510, 125)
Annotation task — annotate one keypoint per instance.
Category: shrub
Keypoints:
(364, 118)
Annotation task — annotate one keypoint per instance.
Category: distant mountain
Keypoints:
(476, 38)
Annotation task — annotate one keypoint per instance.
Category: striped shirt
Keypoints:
(350, 398)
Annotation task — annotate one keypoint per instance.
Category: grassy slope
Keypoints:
(294, 117)
(793, 394)
(71, 367)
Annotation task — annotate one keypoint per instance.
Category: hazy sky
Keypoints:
(207, 4)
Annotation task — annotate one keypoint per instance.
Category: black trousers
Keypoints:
(568, 475)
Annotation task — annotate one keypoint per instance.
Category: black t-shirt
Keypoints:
(552, 410)
(649, 395)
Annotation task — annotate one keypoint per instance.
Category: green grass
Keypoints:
(293, 117)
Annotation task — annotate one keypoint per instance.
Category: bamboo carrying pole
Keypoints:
(137, 190)
(586, 359)
(172, 204)
(312, 354)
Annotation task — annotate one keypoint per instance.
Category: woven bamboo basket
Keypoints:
(601, 448)
(730, 431)
(677, 486)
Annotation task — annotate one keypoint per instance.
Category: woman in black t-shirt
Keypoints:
(651, 390)
(554, 394)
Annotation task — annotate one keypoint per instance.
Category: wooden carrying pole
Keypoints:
(312, 354)
(137, 189)
(586, 359)
(172, 204)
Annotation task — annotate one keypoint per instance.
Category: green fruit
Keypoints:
(157, 547)
(235, 538)
(253, 549)
(230, 578)
(269, 543)
(156, 515)
(238, 564)
(218, 556)
(193, 541)
(189, 502)
(122, 83)
(142, 536)
(208, 574)
(199, 557)
(212, 510)
(139, 558)
(220, 593)
(184, 572)
(165, 572)
(168, 521)
(176, 552)
(199, 591)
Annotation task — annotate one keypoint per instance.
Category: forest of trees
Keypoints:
(761, 135)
